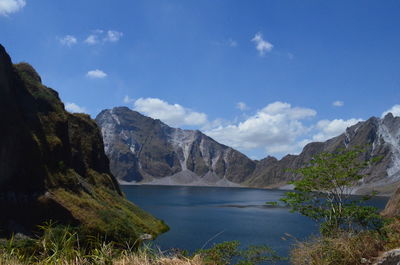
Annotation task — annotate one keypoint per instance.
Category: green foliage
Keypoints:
(56, 244)
(323, 193)
(59, 245)
(229, 252)
(109, 215)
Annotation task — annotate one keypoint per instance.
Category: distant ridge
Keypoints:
(144, 150)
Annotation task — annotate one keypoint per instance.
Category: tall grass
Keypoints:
(63, 245)
(347, 248)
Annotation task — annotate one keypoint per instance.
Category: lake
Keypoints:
(201, 216)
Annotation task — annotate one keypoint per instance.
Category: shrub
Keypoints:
(229, 252)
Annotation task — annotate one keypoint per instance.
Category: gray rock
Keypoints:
(391, 257)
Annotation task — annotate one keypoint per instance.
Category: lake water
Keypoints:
(201, 216)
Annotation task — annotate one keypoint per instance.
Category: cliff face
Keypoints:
(142, 149)
(53, 165)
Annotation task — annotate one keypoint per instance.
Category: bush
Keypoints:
(229, 252)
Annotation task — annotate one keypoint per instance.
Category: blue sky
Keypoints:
(265, 77)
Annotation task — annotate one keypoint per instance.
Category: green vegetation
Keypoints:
(109, 214)
(323, 193)
(228, 252)
(351, 233)
(65, 245)
(347, 248)
(60, 159)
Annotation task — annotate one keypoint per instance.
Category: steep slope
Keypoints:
(53, 165)
(380, 137)
(142, 149)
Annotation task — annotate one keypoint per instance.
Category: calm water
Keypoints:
(200, 215)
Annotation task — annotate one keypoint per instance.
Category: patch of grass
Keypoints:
(229, 253)
(347, 248)
(341, 250)
(104, 212)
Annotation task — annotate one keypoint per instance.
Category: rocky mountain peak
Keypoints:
(143, 149)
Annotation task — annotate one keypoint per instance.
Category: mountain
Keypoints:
(53, 165)
(142, 149)
(145, 150)
(379, 137)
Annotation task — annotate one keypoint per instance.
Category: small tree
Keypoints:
(324, 189)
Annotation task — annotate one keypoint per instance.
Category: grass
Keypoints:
(65, 245)
(341, 250)
(347, 248)
(109, 214)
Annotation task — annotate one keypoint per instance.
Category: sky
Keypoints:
(263, 76)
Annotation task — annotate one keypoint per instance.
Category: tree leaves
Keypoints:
(324, 189)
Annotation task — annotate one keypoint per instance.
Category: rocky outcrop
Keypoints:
(53, 165)
(391, 257)
(392, 208)
(142, 149)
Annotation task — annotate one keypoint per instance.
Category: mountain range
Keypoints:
(146, 150)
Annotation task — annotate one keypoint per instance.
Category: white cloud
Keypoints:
(68, 40)
(113, 36)
(395, 110)
(232, 43)
(338, 103)
(331, 128)
(127, 99)
(74, 108)
(276, 128)
(262, 45)
(11, 6)
(227, 42)
(91, 40)
(241, 105)
(101, 36)
(96, 74)
(172, 114)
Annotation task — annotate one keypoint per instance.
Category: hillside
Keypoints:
(53, 165)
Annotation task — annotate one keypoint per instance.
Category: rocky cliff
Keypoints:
(142, 149)
(53, 165)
